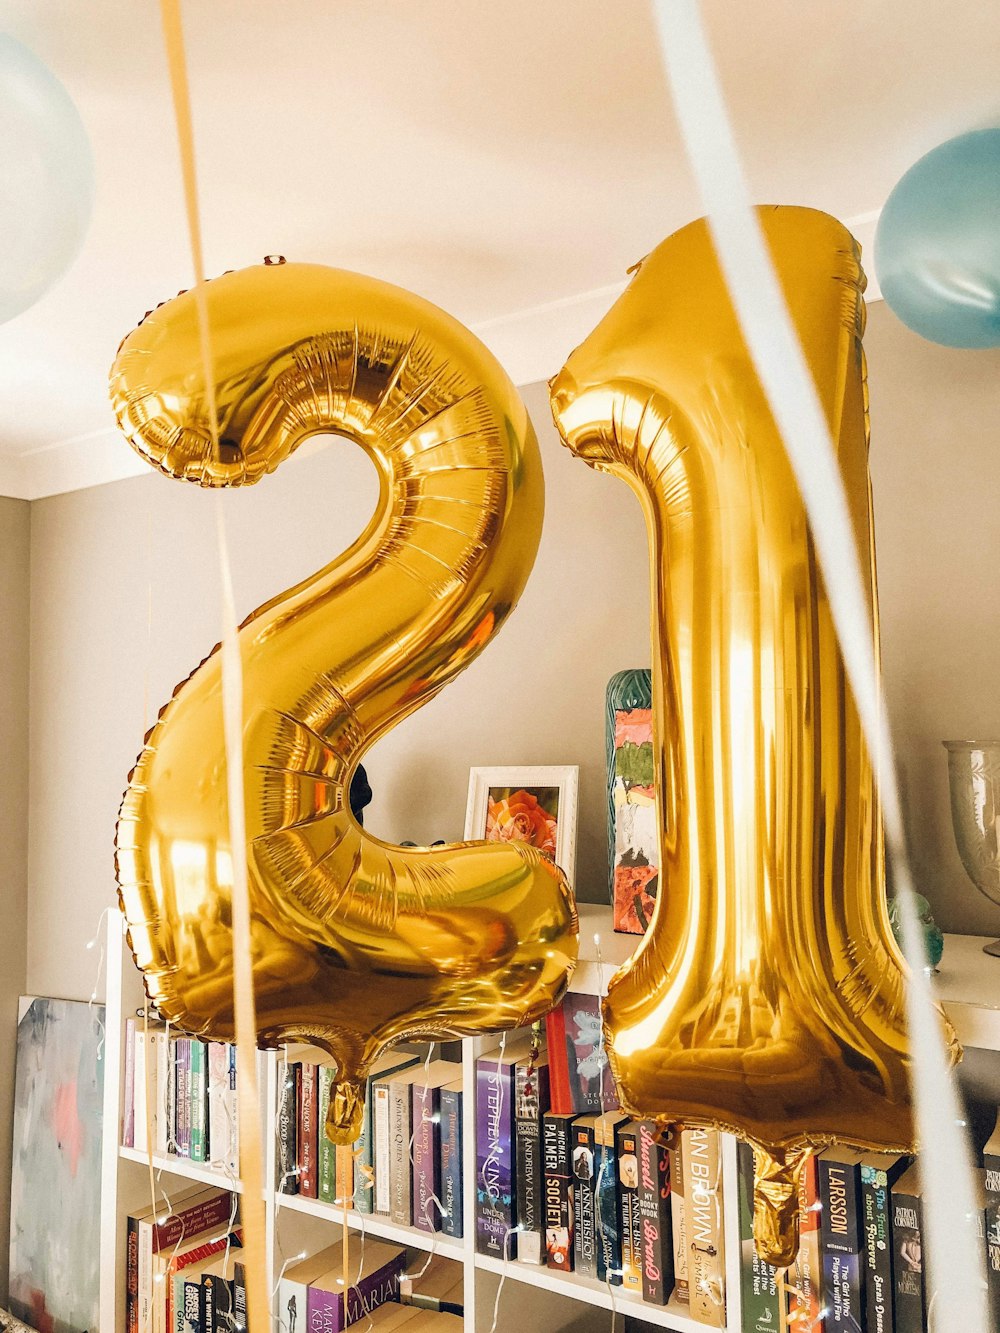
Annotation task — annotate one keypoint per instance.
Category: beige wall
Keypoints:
(101, 558)
(14, 548)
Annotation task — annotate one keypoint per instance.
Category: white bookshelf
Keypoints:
(969, 985)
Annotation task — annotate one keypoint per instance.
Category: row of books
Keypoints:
(599, 1194)
(180, 1096)
(859, 1268)
(312, 1293)
(182, 1265)
(407, 1164)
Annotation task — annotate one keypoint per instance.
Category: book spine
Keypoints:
(907, 1267)
(531, 1102)
(326, 1188)
(703, 1203)
(560, 1099)
(218, 1081)
(557, 1158)
(840, 1239)
(803, 1282)
(307, 1137)
(182, 1096)
(160, 1054)
(128, 1092)
(239, 1296)
(381, 1130)
(762, 1297)
(199, 1101)
(288, 1178)
(140, 1088)
(426, 1183)
(212, 1212)
(324, 1311)
(496, 1184)
(678, 1218)
(170, 1100)
(400, 1177)
(132, 1276)
(189, 1305)
(991, 1222)
(344, 1175)
(876, 1234)
(584, 1226)
(452, 1222)
(609, 1248)
(629, 1221)
(364, 1157)
(207, 1304)
(657, 1253)
(373, 1290)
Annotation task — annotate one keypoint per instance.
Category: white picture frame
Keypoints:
(487, 783)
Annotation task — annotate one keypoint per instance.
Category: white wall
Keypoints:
(14, 548)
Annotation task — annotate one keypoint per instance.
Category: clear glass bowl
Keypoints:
(974, 777)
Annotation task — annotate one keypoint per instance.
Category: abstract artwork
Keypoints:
(56, 1170)
(633, 849)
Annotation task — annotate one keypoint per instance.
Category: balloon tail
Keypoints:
(776, 1204)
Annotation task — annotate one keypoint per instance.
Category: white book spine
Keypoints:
(161, 1127)
(232, 1109)
(218, 1084)
(380, 1120)
(139, 1092)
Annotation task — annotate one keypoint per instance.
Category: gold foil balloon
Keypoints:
(356, 944)
(767, 997)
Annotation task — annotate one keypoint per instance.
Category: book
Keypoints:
(239, 1297)
(306, 1130)
(425, 1092)
(288, 1097)
(193, 1211)
(606, 1224)
(182, 1096)
(907, 1258)
(199, 1101)
(453, 1203)
(144, 1088)
(531, 1101)
(437, 1285)
(879, 1172)
(170, 1099)
(160, 1053)
(381, 1133)
(128, 1097)
(496, 1162)
(703, 1204)
(991, 1219)
(326, 1154)
(802, 1283)
(840, 1238)
(217, 1308)
(580, 1075)
(760, 1286)
(560, 1214)
(629, 1222)
(400, 1174)
(293, 1288)
(364, 1149)
(169, 1265)
(333, 1305)
(582, 1134)
(678, 1217)
(657, 1252)
(223, 1129)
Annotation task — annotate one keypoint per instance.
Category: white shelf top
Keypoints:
(372, 1224)
(968, 985)
(182, 1166)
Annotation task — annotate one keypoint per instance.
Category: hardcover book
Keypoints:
(557, 1158)
(657, 1253)
(760, 1288)
(704, 1232)
(452, 1220)
(879, 1172)
(531, 1094)
(629, 1221)
(579, 1073)
(840, 1237)
(907, 1252)
(496, 1163)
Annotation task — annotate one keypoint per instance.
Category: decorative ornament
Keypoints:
(356, 944)
(937, 243)
(767, 996)
(46, 178)
(932, 933)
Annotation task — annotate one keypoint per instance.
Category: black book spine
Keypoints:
(558, 1192)
(907, 1266)
(657, 1250)
(991, 1220)
(629, 1221)
(531, 1101)
(288, 1106)
(840, 1238)
(584, 1228)
(239, 1299)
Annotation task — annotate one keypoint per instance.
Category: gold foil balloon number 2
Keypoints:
(355, 944)
(767, 997)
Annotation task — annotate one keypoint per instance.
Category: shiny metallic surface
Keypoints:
(767, 997)
(356, 943)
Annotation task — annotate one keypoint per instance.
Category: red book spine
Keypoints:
(213, 1212)
(189, 1257)
(560, 1096)
(308, 1139)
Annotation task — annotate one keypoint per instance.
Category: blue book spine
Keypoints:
(496, 1187)
(451, 1162)
(609, 1243)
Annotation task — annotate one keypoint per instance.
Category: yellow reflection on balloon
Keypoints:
(767, 996)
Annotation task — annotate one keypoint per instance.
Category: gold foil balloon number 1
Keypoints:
(356, 944)
(767, 997)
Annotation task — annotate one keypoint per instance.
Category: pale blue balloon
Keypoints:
(937, 244)
(46, 178)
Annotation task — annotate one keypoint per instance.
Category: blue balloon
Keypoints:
(937, 244)
(46, 178)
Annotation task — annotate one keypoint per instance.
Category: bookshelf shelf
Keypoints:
(968, 984)
(372, 1225)
(181, 1167)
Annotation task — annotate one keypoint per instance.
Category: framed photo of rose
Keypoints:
(533, 805)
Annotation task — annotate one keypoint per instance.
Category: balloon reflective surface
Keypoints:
(937, 244)
(46, 178)
(356, 943)
(767, 996)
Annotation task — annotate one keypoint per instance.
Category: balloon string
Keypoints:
(251, 1168)
(955, 1260)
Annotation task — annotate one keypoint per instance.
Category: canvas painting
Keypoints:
(56, 1169)
(632, 832)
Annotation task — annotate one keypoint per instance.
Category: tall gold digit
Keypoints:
(356, 943)
(767, 996)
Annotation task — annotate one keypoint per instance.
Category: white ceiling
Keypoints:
(506, 158)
